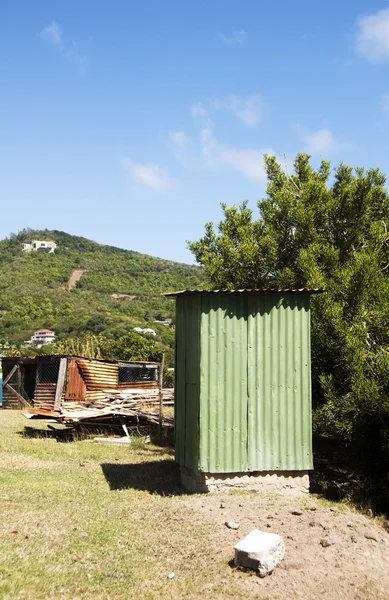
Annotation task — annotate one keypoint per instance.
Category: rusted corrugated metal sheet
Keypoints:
(75, 385)
(98, 375)
(243, 388)
(9, 399)
(44, 396)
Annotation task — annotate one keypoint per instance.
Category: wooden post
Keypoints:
(160, 383)
(19, 372)
(60, 383)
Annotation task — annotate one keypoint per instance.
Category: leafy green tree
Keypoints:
(133, 347)
(321, 230)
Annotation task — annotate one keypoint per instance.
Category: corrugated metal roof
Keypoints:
(101, 360)
(252, 290)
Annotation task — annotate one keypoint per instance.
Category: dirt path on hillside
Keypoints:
(131, 297)
(330, 552)
(75, 277)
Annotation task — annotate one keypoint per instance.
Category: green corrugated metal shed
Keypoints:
(243, 380)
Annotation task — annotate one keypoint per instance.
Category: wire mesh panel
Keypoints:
(46, 385)
(48, 372)
(138, 373)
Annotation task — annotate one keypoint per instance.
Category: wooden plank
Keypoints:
(124, 426)
(41, 413)
(60, 383)
(12, 371)
(19, 397)
(160, 382)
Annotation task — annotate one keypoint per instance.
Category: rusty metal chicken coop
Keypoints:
(44, 383)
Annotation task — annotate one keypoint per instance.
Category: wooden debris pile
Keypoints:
(127, 407)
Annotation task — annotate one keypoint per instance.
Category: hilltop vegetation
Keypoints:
(34, 288)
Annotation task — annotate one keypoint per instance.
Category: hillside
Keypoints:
(85, 286)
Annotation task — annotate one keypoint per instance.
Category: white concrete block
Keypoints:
(260, 551)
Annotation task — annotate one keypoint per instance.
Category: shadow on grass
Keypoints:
(157, 477)
(61, 435)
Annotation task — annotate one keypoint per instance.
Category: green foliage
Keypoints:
(34, 288)
(133, 347)
(318, 232)
(87, 344)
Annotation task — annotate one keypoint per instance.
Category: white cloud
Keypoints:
(208, 152)
(152, 176)
(180, 144)
(179, 138)
(238, 36)
(52, 33)
(321, 141)
(247, 162)
(68, 49)
(82, 60)
(198, 110)
(385, 104)
(372, 38)
(247, 110)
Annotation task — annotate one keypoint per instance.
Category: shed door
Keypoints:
(279, 385)
(223, 376)
(75, 385)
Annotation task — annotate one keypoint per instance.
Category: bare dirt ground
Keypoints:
(331, 552)
(75, 277)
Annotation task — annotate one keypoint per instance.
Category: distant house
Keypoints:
(40, 245)
(42, 337)
(149, 331)
(146, 331)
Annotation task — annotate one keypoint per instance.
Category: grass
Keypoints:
(82, 520)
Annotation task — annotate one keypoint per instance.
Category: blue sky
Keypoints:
(129, 122)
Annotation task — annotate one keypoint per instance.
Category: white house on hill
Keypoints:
(40, 245)
(42, 337)
(146, 331)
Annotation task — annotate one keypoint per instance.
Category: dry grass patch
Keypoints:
(99, 526)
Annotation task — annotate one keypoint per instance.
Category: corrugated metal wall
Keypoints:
(44, 396)
(254, 405)
(75, 390)
(223, 396)
(279, 383)
(98, 375)
(187, 384)
(9, 399)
